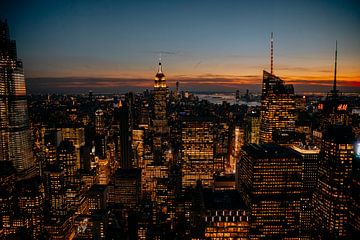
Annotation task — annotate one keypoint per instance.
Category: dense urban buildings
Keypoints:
(167, 164)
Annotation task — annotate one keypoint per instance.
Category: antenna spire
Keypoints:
(272, 53)
(160, 66)
(335, 69)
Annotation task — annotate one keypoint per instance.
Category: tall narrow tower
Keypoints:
(15, 135)
(272, 53)
(159, 122)
(335, 91)
(335, 109)
(277, 104)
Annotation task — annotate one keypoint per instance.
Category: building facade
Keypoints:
(270, 181)
(15, 135)
(331, 198)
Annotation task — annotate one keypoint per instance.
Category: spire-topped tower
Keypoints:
(272, 53)
(160, 80)
(15, 133)
(335, 91)
(159, 121)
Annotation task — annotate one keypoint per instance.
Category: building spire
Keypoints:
(272, 53)
(160, 66)
(334, 91)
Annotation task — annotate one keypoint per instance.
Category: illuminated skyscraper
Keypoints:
(354, 212)
(277, 105)
(127, 187)
(159, 121)
(237, 141)
(252, 127)
(68, 163)
(331, 198)
(334, 110)
(197, 153)
(269, 178)
(99, 121)
(310, 161)
(15, 135)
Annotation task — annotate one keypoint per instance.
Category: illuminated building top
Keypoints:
(334, 108)
(160, 80)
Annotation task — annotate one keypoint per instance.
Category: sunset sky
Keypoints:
(112, 46)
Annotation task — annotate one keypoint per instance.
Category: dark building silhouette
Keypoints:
(121, 135)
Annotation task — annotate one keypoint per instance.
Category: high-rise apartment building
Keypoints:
(15, 135)
(269, 178)
(331, 197)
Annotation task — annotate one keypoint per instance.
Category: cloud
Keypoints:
(204, 82)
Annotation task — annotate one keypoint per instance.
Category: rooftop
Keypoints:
(269, 150)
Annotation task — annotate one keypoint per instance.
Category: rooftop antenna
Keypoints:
(160, 66)
(272, 53)
(334, 86)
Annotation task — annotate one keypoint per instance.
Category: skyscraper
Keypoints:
(331, 198)
(99, 121)
(334, 110)
(121, 135)
(197, 153)
(159, 122)
(252, 126)
(15, 135)
(277, 105)
(269, 179)
(310, 162)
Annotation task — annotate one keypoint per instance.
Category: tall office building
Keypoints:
(252, 126)
(331, 198)
(335, 109)
(67, 158)
(159, 121)
(354, 212)
(269, 179)
(277, 105)
(99, 121)
(310, 162)
(127, 187)
(15, 135)
(197, 153)
(236, 142)
(122, 135)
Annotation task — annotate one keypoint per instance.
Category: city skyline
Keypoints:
(174, 163)
(76, 46)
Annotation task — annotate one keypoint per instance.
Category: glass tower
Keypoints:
(15, 135)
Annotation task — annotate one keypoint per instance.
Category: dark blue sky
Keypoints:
(212, 42)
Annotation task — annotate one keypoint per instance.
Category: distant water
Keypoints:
(218, 98)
